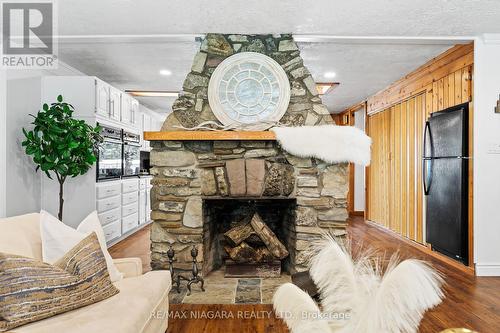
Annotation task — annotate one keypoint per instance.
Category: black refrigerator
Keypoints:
(445, 181)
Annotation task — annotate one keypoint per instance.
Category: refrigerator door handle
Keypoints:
(427, 131)
(426, 177)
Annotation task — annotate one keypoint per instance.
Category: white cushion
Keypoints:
(21, 235)
(58, 239)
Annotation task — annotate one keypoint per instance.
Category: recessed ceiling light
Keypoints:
(152, 93)
(330, 75)
(165, 72)
(326, 87)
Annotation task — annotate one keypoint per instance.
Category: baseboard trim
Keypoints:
(488, 269)
(358, 213)
(427, 250)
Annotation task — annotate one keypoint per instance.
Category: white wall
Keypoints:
(359, 171)
(22, 184)
(487, 156)
(3, 142)
(20, 190)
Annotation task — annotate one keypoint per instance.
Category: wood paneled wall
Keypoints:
(395, 193)
(423, 79)
(396, 122)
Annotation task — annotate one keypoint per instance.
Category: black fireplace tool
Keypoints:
(194, 279)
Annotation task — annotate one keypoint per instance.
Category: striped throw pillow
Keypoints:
(31, 290)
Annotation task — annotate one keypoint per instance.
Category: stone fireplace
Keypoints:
(201, 187)
(204, 188)
(232, 235)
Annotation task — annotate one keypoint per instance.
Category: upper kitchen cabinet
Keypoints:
(134, 114)
(146, 127)
(126, 109)
(129, 110)
(94, 99)
(102, 98)
(115, 104)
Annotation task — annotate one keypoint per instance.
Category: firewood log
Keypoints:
(268, 237)
(263, 255)
(239, 233)
(242, 253)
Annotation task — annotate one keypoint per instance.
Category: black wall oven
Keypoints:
(131, 154)
(109, 161)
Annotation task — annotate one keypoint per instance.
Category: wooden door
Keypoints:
(380, 168)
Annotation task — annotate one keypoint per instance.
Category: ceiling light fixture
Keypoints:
(326, 87)
(330, 75)
(152, 93)
(165, 72)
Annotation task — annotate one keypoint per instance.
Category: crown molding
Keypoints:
(301, 38)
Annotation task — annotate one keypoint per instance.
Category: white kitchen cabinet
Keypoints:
(129, 198)
(93, 100)
(130, 209)
(130, 110)
(146, 127)
(115, 104)
(112, 231)
(130, 185)
(108, 189)
(101, 98)
(145, 200)
(126, 109)
(130, 222)
(104, 205)
(110, 216)
(142, 207)
(148, 203)
(134, 112)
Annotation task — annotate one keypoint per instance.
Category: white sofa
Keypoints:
(141, 306)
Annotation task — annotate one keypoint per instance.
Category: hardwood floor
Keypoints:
(240, 318)
(137, 245)
(471, 302)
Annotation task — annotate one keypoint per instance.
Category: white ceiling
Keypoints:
(333, 17)
(362, 69)
(134, 66)
(116, 40)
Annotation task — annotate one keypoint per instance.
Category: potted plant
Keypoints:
(61, 145)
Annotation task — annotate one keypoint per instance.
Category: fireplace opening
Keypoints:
(248, 237)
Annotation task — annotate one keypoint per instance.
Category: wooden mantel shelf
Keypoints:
(209, 135)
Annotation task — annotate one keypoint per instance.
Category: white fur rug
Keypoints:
(330, 143)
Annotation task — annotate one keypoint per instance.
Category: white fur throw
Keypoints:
(330, 143)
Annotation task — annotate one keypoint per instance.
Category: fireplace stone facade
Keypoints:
(192, 107)
(188, 172)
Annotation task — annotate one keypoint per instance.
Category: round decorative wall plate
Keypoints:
(249, 90)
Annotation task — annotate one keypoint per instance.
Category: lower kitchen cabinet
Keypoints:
(123, 206)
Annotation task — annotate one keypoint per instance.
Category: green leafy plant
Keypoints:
(61, 145)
